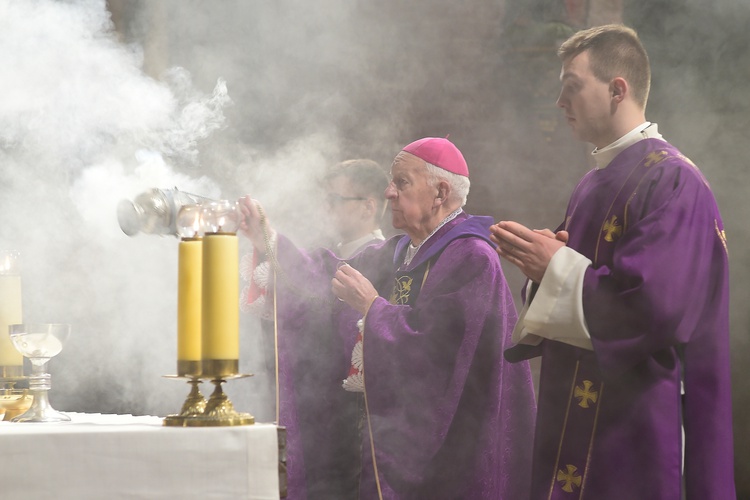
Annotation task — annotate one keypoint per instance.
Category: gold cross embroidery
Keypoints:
(611, 229)
(569, 478)
(655, 157)
(585, 394)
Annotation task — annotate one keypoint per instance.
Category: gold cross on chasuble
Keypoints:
(569, 478)
(585, 394)
(577, 436)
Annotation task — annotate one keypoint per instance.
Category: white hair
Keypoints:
(459, 184)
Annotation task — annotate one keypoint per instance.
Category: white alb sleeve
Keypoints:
(556, 311)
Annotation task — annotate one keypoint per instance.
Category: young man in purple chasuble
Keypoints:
(627, 304)
(410, 398)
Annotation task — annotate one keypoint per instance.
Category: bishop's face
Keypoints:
(587, 102)
(411, 194)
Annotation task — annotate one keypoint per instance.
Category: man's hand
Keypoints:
(559, 236)
(251, 225)
(529, 250)
(350, 286)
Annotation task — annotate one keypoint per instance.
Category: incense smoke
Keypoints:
(227, 98)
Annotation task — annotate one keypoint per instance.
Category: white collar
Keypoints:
(605, 155)
(345, 250)
(412, 250)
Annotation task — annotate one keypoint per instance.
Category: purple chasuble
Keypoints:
(450, 419)
(655, 300)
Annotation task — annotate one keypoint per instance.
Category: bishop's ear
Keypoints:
(443, 191)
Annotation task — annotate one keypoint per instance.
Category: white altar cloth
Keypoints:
(99, 457)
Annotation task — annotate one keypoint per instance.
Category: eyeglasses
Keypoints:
(334, 199)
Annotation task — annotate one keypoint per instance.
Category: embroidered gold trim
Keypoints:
(591, 443)
(722, 235)
(567, 476)
(650, 160)
(562, 436)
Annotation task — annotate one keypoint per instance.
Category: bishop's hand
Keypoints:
(352, 287)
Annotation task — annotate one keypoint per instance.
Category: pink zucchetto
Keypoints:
(441, 153)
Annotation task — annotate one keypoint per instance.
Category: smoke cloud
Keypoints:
(227, 98)
(81, 128)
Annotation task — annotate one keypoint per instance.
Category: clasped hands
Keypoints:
(528, 249)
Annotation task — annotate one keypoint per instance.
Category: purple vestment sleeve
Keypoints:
(637, 305)
(428, 371)
(450, 418)
(655, 300)
(669, 289)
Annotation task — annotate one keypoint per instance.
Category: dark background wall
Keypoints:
(99, 116)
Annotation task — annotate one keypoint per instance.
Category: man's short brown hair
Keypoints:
(367, 176)
(614, 51)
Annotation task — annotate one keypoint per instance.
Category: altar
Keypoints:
(207, 451)
(99, 456)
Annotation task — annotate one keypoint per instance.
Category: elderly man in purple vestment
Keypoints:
(628, 303)
(422, 320)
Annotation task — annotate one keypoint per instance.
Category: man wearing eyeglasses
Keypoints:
(356, 204)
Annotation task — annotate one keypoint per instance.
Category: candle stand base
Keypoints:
(194, 405)
(218, 411)
(13, 400)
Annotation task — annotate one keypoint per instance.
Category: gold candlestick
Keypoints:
(219, 316)
(218, 411)
(194, 405)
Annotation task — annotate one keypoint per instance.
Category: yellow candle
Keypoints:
(189, 289)
(10, 313)
(221, 314)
